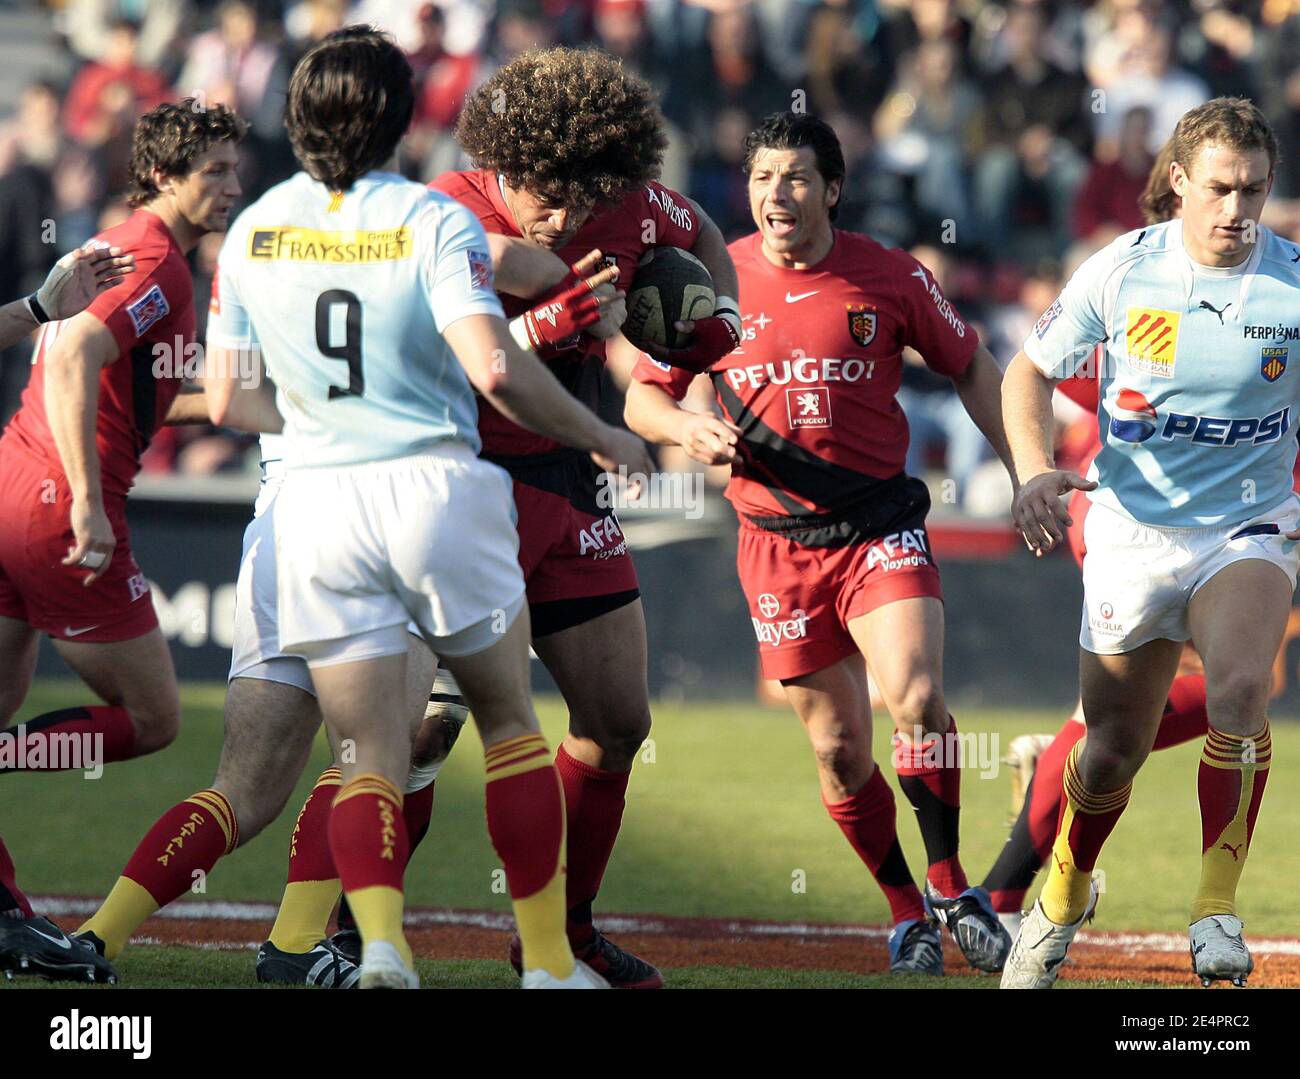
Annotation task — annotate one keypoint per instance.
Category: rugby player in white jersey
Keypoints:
(373, 299)
(1193, 526)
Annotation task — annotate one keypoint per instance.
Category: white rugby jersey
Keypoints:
(1197, 409)
(347, 297)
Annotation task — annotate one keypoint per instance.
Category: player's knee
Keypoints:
(921, 705)
(621, 731)
(843, 757)
(1237, 700)
(156, 725)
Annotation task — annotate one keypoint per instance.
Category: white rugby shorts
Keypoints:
(365, 549)
(1138, 579)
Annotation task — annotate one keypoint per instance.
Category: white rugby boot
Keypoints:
(382, 968)
(1218, 951)
(1040, 947)
(583, 977)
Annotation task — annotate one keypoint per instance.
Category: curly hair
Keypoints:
(571, 126)
(351, 100)
(1158, 201)
(168, 138)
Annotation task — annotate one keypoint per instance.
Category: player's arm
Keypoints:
(73, 363)
(520, 387)
(72, 283)
(711, 249)
(522, 268)
(1027, 413)
(190, 406)
(238, 393)
(980, 390)
(656, 416)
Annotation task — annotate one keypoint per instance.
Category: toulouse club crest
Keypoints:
(862, 322)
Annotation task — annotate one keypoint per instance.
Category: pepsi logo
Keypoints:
(768, 605)
(1132, 417)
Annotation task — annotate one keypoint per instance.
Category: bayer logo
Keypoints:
(1107, 612)
(768, 605)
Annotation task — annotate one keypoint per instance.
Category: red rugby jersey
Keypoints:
(153, 305)
(814, 381)
(647, 217)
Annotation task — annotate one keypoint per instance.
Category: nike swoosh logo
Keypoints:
(64, 944)
(68, 631)
(801, 296)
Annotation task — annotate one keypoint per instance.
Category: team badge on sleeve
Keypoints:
(1046, 319)
(862, 322)
(480, 269)
(148, 309)
(1272, 362)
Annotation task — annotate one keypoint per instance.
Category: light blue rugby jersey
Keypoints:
(347, 298)
(1197, 409)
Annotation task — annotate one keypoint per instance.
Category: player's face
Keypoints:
(790, 201)
(543, 221)
(207, 195)
(1223, 194)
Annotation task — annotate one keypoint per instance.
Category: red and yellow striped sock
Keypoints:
(1230, 784)
(369, 842)
(313, 886)
(178, 851)
(525, 814)
(1087, 818)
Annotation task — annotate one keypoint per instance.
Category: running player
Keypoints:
(96, 396)
(1184, 716)
(271, 712)
(833, 557)
(567, 146)
(1193, 318)
(374, 297)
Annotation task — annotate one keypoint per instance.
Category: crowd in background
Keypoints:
(1000, 142)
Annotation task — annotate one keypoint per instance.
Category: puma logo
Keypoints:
(1059, 864)
(1207, 306)
(1232, 850)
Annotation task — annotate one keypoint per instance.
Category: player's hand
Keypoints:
(709, 439)
(623, 453)
(576, 303)
(711, 339)
(1038, 511)
(613, 314)
(80, 276)
(95, 540)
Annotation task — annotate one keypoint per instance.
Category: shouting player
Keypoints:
(567, 146)
(102, 382)
(833, 555)
(1193, 317)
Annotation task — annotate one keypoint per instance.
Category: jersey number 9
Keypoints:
(350, 350)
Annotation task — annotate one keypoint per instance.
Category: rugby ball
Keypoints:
(670, 285)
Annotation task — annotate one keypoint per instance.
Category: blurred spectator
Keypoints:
(846, 55)
(110, 94)
(1107, 203)
(441, 83)
(228, 65)
(163, 24)
(874, 199)
(717, 180)
(1134, 66)
(1037, 137)
(928, 128)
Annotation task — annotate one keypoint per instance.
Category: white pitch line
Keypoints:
(224, 910)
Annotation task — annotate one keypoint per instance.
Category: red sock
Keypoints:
(525, 813)
(1045, 798)
(11, 896)
(105, 734)
(593, 803)
(930, 774)
(368, 835)
(868, 821)
(310, 857)
(417, 811)
(1185, 716)
(190, 836)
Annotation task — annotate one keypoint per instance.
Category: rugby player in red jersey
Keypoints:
(102, 382)
(567, 145)
(833, 556)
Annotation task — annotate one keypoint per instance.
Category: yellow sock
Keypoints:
(1232, 775)
(1086, 822)
(513, 788)
(127, 905)
(302, 921)
(378, 913)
